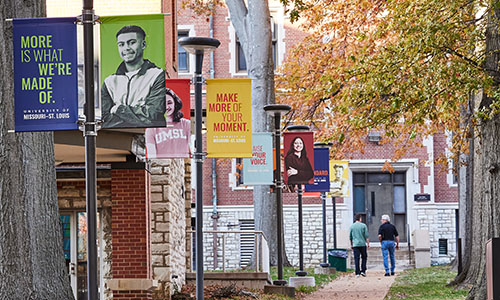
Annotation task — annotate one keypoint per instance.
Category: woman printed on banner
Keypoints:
(172, 141)
(297, 164)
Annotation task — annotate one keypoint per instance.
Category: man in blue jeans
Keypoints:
(359, 242)
(387, 235)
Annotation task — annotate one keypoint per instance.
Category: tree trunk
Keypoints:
(253, 27)
(482, 211)
(31, 252)
(465, 194)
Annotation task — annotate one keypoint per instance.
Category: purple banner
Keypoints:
(321, 171)
(45, 74)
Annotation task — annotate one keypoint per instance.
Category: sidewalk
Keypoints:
(372, 287)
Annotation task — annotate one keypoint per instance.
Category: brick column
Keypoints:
(131, 264)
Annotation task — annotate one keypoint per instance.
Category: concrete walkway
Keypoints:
(372, 287)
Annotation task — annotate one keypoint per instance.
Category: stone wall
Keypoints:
(71, 197)
(312, 233)
(439, 220)
(229, 220)
(168, 232)
(187, 214)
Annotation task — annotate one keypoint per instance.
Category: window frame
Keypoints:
(181, 34)
(189, 29)
(236, 181)
(278, 47)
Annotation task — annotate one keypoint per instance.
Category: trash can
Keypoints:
(338, 258)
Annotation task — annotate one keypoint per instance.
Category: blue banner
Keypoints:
(45, 74)
(258, 170)
(321, 171)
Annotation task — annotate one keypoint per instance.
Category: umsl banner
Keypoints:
(299, 157)
(172, 141)
(229, 118)
(132, 71)
(258, 170)
(321, 171)
(45, 74)
(339, 178)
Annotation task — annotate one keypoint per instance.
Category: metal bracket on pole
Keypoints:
(193, 80)
(199, 157)
(80, 20)
(94, 126)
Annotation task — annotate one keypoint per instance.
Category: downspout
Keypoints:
(215, 213)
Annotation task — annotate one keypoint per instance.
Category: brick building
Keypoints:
(145, 208)
(372, 192)
(141, 205)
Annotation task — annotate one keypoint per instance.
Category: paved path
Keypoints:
(372, 287)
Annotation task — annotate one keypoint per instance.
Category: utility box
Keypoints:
(337, 258)
(422, 246)
(493, 269)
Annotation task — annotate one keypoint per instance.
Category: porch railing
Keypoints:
(220, 239)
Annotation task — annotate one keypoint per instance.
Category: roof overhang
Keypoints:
(113, 145)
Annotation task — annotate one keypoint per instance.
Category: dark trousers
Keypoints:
(357, 252)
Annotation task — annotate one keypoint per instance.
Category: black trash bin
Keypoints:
(338, 258)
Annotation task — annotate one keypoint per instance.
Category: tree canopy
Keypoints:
(403, 67)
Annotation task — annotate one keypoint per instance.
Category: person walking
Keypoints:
(389, 239)
(358, 234)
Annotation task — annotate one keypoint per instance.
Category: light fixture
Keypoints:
(325, 263)
(276, 110)
(300, 272)
(198, 46)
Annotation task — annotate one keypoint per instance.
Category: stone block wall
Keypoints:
(312, 233)
(229, 220)
(187, 214)
(71, 197)
(168, 224)
(440, 222)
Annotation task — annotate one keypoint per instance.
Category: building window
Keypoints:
(455, 169)
(241, 63)
(236, 175)
(183, 55)
(239, 171)
(274, 33)
(443, 247)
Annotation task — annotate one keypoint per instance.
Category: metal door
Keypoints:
(378, 202)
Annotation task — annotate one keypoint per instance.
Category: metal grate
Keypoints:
(247, 242)
(443, 247)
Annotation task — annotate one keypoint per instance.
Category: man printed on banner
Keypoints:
(134, 96)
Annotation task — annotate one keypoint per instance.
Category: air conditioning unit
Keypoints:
(374, 137)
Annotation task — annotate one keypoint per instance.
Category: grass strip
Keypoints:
(425, 283)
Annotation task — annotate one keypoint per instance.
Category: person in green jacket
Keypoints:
(358, 235)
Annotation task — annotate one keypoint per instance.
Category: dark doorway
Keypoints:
(376, 194)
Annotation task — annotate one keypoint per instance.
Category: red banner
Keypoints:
(172, 141)
(299, 157)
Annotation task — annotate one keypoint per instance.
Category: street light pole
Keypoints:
(277, 110)
(325, 263)
(301, 271)
(334, 204)
(90, 133)
(198, 46)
